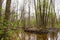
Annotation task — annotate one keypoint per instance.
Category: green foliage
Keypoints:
(9, 24)
(0, 8)
(10, 32)
(33, 22)
(57, 24)
(1, 32)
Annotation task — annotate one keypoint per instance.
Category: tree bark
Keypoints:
(7, 17)
(22, 17)
(0, 8)
(7, 11)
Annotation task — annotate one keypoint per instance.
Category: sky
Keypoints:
(57, 5)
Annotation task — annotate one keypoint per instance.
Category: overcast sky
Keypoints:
(57, 5)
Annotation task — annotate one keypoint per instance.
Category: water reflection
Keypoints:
(58, 36)
(50, 36)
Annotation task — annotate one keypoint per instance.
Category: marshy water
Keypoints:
(30, 36)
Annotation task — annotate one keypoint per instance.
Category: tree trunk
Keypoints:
(7, 17)
(7, 11)
(0, 8)
(36, 13)
(29, 15)
(22, 17)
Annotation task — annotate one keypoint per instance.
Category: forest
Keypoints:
(30, 15)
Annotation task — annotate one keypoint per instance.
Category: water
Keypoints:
(50, 36)
(58, 36)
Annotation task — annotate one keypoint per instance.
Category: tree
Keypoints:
(42, 14)
(36, 4)
(7, 17)
(29, 14)
(7, 11)
(22, 17)
(0, 8)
